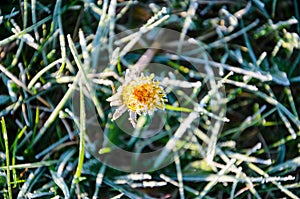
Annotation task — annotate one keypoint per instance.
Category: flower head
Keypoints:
(139, 95)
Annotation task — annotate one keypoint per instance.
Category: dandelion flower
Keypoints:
(139, 95)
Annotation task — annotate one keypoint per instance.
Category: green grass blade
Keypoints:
(4, 132)
(61, 184)
(82, 132)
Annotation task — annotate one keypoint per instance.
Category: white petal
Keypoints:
(119, 112)
(130, 75)
(132, 118)
(114, 97)
(116, 103)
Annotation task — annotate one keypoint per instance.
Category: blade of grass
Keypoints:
(292, 165)
(129, 192)
(85, 54)
(276, 103)
(4, 132)
(125, 9)
(228, 38)
(43, 48)
(291, 100)
(296, 7)
(82, 130)
(175, 183)
(238, 70)
(30, 181)
(249, 47)
(19, 83)
(33, 16)
(20, 46)
(287, 124)
(280, 142)
(57, 20)
(212, 183)
(179, 109)
(281, 187)
(55, 112)
(246, 158)
(294, 65)
(187, 22)
(52, 147)
(179, 174)
(100, 34)
(59, 181)
(173, 140)
(85, 78)
(43, 71)
(31, 165)
(26, 30)
(99, 181)
(249, 121)
(234, 185)
(244, 176)
(274, 2)
(36, 121)
(111, 16)
(14, 149)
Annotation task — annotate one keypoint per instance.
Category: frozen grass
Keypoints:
(249, 149)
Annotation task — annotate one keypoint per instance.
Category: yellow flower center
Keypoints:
(143, 95)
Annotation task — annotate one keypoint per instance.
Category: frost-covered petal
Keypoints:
(119, 112)
(132, 118)
(116, 103)
(114, 97)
